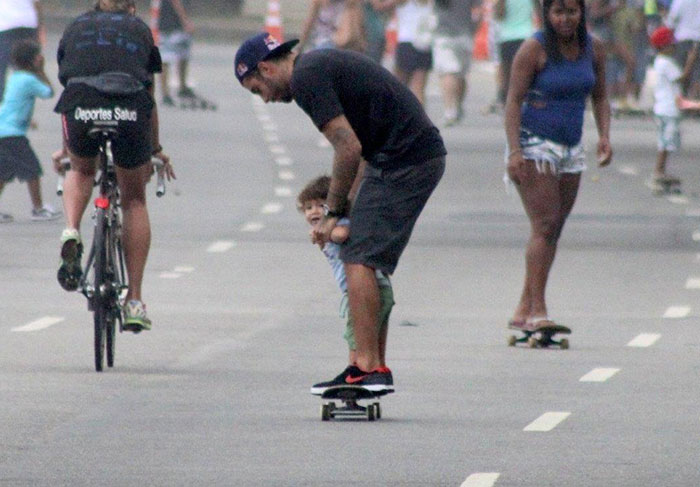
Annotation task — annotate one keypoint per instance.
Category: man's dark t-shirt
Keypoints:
(100, 42)
(388, 119)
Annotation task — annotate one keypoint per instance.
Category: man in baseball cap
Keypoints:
(261, 47)
(662, 37)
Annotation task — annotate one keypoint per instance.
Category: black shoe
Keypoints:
(69, 273)
(168, 101)
(186, 92)
(378, 380)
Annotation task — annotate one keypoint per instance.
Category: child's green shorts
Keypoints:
(386, 302)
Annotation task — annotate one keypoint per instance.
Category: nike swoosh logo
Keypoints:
(353, 380)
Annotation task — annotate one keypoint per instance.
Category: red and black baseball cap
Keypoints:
(662, 37)
(258, 48)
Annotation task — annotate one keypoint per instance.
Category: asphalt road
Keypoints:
(244, 312)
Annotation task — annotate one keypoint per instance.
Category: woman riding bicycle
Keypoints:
(106, 61)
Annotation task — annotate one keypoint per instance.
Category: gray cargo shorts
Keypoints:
(385, 211)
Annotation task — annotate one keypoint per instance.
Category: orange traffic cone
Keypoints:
(155, 17)
(273, 20)
(392, 35)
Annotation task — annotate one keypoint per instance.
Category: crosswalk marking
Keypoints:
(644, 340)
(599, 375)
(40, 324)
(547, 422)
(485, 479)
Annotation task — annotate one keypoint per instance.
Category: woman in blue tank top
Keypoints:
(553, 74)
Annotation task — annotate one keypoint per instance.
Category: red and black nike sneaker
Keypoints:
(378, 380)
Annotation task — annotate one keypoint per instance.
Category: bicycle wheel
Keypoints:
(111, 318)
(101, 303)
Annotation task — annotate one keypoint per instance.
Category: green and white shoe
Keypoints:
(135, 318)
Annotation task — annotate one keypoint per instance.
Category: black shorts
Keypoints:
(410, 59)
(18, 160)
(132, 147)
(385, 211)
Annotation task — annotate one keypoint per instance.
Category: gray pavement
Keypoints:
(244, 312)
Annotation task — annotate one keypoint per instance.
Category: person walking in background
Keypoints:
(175, 31)
(414, 58)
(377, 14)
(332, 24)
(515, 22)
(19, 19)
(684, 18)
(553, 74)
(17, 159)
(452, 50)
(667, 94)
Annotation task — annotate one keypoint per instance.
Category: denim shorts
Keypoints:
(553, 156)
(175, 46)
(668, 133)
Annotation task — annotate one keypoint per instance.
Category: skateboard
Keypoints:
(541, 336)
(665, 186)
(349, 396)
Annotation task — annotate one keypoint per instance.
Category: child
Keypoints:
(17, 159)
(310, 202)
(667, 93)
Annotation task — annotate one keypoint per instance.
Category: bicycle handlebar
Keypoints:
(158, 169)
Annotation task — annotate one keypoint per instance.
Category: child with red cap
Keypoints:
(667, 103)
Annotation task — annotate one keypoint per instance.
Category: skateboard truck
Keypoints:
(541, 336)
(349, 397)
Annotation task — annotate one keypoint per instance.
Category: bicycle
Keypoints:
(104, 281)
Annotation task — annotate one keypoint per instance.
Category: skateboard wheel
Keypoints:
(532, 342)
(564, 344)
(377, 410)
(371, 416)
(325, 412)
(511, 340)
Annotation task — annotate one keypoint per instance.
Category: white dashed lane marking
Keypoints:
(547, 422)
(185, 269)
(252, 227)
(485, 479)
(599, 375)
(278, 149)
(696, 235)
(221, 246)
(283, 191)
(169, 275)
(271, 208)
(677, 312)
(286, 175)
(284, 161)
(628, 170)
(679, 200)
(644, 340)
(40, 324)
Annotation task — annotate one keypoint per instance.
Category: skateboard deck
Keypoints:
(349, 396)
(541, 336)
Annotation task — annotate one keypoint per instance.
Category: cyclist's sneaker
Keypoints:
(45, 213)
(378, 380)
(135, 318)
(69, 273)
(6, 218)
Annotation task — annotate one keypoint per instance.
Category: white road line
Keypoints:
(270, 126)
(170, 275)
(677, 312)
(644, 340)
(185, 269)
(693, 212)
(599, 375)
(286, 175)
(271, 137)
(283, 161)
(692, 283)
(40, 324)
(697, 258)
(264, 117)
(271, 208)
(278, 149)
(547, 422)
(252, 227)
(481, 480)
(628, 170)
(696, 235)
(221, 246)
(678, 200)
(283, 191)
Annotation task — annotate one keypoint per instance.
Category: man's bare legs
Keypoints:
(363, 294)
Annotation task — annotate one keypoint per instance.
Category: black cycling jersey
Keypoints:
(99, 42)
(389, 121)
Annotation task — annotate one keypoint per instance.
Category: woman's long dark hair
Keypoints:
(550, 37)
